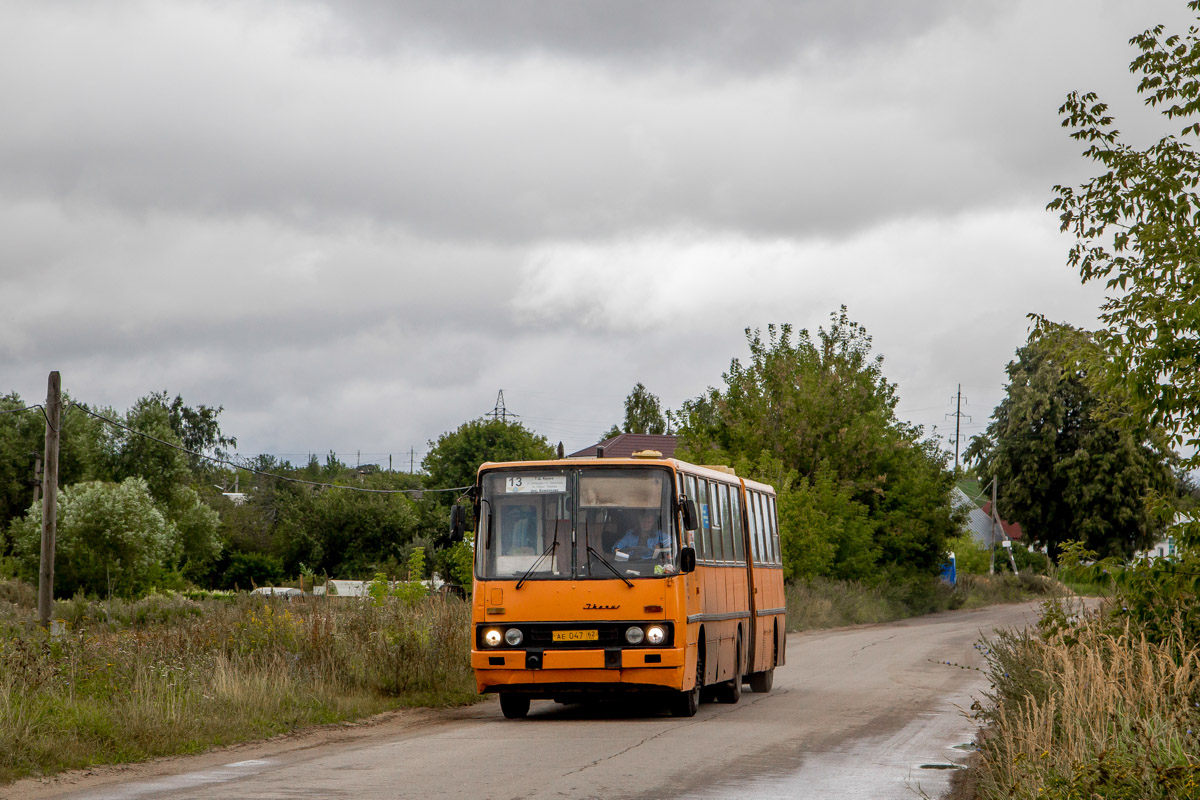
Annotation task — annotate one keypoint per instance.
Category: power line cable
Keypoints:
(234, 465)
(19, 410)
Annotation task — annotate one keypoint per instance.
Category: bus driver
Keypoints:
(644, 538)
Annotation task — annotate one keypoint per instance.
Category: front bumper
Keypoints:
(599, 669)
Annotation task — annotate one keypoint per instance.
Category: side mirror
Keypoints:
(691, 519)
(458, 522)
(687, 560)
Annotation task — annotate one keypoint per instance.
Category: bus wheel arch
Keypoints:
(687, 702)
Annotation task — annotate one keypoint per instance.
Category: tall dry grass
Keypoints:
(167, 675)
(1086, 711)
(826, 603)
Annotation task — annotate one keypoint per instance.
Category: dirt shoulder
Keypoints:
(347, 734)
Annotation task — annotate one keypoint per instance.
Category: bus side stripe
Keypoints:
(718, 617)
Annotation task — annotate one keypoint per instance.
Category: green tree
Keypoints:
(198, 526)
(111, 539)
(861, 491)
(1066, 471)
(198, 430)
(162, 466)
(22, 440)
(453, 460)
(1137, 228)
(643, 413)
(343, 533)
(455, 457)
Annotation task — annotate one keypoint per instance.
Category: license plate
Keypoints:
(575, 636)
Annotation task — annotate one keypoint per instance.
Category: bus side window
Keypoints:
(735, 514)
(690, 492)
(705, 551)
(714, 512)
(765, 527)
(768, 529)
(760, 526)
(774, 529)
(727, 530)
(752, 524)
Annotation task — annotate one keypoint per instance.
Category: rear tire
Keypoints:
(761, 682)
(514, 706)
(687, 703)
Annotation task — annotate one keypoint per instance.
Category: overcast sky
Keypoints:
(352, 223)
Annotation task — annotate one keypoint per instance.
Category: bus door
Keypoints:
(761, 646)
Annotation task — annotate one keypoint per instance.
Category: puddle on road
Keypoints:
(884, 768)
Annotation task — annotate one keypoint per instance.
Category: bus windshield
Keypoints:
(566, 524)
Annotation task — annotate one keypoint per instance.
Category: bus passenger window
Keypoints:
(760, 527)
(767, 532)
(735, 508)
(774, 529)
(705, 538)
(752, 528)
(727, 530)
(714, 512)
(692, 537)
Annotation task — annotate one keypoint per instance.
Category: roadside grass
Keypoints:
(826, 603)
(166, 675)
(1081, 708)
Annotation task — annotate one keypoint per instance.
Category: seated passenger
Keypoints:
(642, 540)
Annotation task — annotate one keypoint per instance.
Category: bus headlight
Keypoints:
(634, 635)
(655, 635)
(513, 636)
(492, 637)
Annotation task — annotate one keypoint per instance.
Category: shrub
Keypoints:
(111, 539)
(252, 569)
(1080, 710)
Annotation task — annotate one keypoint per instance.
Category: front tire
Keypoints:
(514, 706)
(687, 703)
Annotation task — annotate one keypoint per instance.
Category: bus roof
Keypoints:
(722, 474)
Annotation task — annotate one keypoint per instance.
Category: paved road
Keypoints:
(856, 713)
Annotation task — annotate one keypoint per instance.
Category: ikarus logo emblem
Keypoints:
(599, 607)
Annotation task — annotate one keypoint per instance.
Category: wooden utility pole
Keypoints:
(49, 498)
(37, 480)
(995, 522)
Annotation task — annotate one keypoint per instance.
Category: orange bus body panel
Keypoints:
(728, 601)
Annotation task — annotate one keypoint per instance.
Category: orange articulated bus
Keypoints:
(596, 576)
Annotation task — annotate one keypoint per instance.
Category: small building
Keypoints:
(1167, 545)
(624, 445)
(332, 588)
(278, 591)
(1011, 530)
(979, 521)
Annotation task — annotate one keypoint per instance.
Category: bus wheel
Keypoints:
(687, 703)
(731, 690)
(761, 682)
(514, 706)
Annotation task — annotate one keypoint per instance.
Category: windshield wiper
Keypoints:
(548, 551)
(592, 552)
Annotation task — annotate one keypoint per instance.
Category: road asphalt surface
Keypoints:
(878, 711)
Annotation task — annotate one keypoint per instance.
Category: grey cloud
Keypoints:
(220, 111)
(749, 36)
